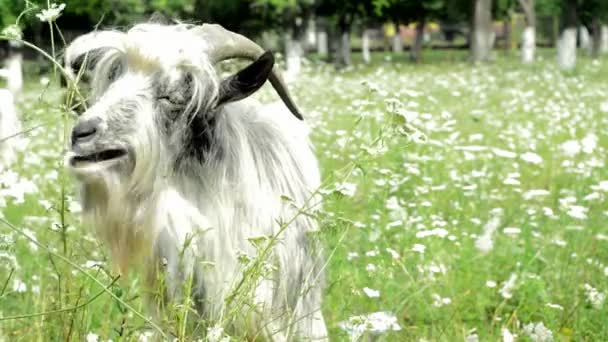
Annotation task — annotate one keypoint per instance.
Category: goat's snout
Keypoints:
(85, 131)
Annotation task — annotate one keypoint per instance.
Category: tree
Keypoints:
(342, 14)
(412, 11)
(292, 18)
(528, 41)
(566, 46)
(592, 14)
(482, 37)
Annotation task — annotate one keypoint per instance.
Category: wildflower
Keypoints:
(371, 293)
(19, 286)
(506, 291)
(577, 212)
(594, 297)
(419, 248)
(571, 148)
(532, 158)
(374, 323)
(503, 153)
(439, 301)
(491, 284)
(346, 189)
(484, 242)
(538, 332)
(472, 336)
(555, 306)
(92, 337)
(393, 253)
(507, 336)
(528, 195)
(51, 14)
(216, 334)
(511, 231)
(12, 32)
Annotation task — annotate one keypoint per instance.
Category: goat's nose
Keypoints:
(85, 130)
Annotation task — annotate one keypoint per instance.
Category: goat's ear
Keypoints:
(247, 81)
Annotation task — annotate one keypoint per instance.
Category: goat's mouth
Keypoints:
(101, 157)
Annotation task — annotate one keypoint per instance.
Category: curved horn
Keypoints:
(224, 44)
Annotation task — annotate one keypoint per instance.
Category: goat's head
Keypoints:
(155, 94)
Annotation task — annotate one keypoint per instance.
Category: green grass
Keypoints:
(438, 194)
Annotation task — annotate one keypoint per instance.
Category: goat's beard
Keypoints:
(120, 200)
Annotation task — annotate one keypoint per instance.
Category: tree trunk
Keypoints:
(481, 40)
(311, 33)
(604, 39)
(345, 56)
(416, 48)
(566, 46)
(507, 33)
(365, 45)
(584, 39)
(322, 43)
(596, 37)
(13, 72)
(397, 42)
(528, 43)
(293, 38)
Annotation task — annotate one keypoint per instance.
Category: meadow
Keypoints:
(462, 203)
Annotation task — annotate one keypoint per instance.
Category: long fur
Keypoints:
(184, 215)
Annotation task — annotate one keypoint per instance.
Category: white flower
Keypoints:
(538, 332)
(51, 14)
(371, 293)
(555, 306)
(472, 336)
(571, 148)
(532, 158)
(346, 189)
(491, 283)
(216, 334)
(19, 286)
(439, 301)
(484, 242)
(503, 153)
(507, 336)
(419, 248)
(91, 337)
(589, 143)
(528, 195)
(506, 291)
(594, 297)
(440, 232)
(511, 231)
(577, 212)
(12, 32)
(374, 323)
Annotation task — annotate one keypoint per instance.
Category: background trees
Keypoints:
(333, 25)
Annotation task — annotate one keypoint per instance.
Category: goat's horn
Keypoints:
(224, 44)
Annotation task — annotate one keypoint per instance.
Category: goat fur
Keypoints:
(182, 214)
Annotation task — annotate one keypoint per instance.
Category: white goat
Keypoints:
(9, 128)
(180, 171)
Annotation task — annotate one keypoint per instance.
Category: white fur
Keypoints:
(149, 212)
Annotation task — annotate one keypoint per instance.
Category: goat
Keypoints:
(180, 170)
(9, 128)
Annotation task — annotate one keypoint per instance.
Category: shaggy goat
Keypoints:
(182, 172)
